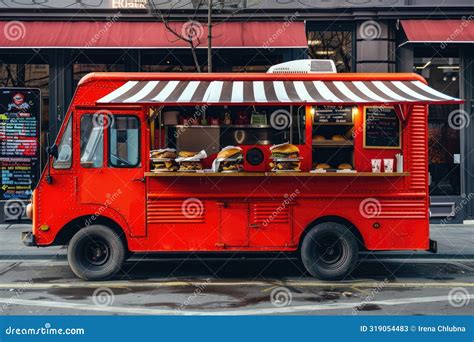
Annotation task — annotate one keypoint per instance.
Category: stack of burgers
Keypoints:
(190, 161)
(163, 160)
(229, 159)
(285, 157)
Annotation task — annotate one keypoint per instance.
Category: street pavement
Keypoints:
(38, 281)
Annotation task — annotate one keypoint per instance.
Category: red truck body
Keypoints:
(247, 211)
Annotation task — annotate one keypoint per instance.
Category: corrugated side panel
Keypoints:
(175, 211)
(269, 212)
(407, 209)
(417, 159)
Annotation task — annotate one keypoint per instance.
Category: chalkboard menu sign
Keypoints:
(382, 128)
(19, 142)
(332, 115)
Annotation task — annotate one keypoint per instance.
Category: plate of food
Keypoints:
(163, 160)
(285, 158)
(190, 161)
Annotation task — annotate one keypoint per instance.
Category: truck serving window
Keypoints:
(64, 160)
(124, 141)
(92, 141)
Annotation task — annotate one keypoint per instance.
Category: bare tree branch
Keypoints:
(179, 36)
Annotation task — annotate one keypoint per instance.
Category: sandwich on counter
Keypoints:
(163, 160)
(229, 159)
(285, 157)
(165, 153)
(190, 161)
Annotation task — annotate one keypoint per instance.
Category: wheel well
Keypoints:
(71, 228)
(352, 228)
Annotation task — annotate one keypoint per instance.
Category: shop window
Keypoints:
(442, 74)
(224, 60)
(87, 61)
(124, 141)
(64, 160)
(92, 141)
(332, 41)
(82, 69)
(178, 61)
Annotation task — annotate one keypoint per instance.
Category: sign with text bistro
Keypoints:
(324, 164)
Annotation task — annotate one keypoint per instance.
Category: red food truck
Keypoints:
(300, 159)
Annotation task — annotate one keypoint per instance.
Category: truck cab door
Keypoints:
(111, 166)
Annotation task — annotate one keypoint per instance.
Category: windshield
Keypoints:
(64, 159)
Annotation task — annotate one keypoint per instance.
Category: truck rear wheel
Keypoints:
(96, 253)
(329, 251)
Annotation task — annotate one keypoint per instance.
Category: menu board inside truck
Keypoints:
(19, 142)
(382, 128)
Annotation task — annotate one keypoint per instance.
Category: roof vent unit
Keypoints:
(304, 66)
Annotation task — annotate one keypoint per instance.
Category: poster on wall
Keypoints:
(20, 113)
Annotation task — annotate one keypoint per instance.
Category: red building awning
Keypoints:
(81, 34)
(438, 31)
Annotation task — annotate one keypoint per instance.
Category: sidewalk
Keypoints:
(454, 242)
(11, 246)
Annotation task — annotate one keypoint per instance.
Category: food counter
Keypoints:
(276, 174)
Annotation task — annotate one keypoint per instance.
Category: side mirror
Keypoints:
(53, 151)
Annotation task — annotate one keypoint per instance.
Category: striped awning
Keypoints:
(274, 92)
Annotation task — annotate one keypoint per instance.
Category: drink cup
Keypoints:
(376, 165)
(388, 165)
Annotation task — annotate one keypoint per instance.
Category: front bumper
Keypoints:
(28, 238)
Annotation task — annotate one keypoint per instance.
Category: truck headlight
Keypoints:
(29, 211)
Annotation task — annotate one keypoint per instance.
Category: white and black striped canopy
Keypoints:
(291, 92)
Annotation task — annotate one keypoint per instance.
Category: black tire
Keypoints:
(96, 253)
(329, 251)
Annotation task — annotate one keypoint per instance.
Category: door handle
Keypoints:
(138, 179)
(254, 225)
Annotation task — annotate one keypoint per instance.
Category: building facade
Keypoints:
(53, 44)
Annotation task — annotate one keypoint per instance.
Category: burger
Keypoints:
(163, 154)
(189, 161)
(345, 166)
(170, 165)
(187, 154)
(230, 159)
(286, 157)
(190, 165)
(322, 166)
(164, 160)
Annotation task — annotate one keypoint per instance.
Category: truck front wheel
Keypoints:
(329, 251)
(96, 253)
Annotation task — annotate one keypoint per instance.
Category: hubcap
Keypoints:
(329, 249)
(97, 252)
